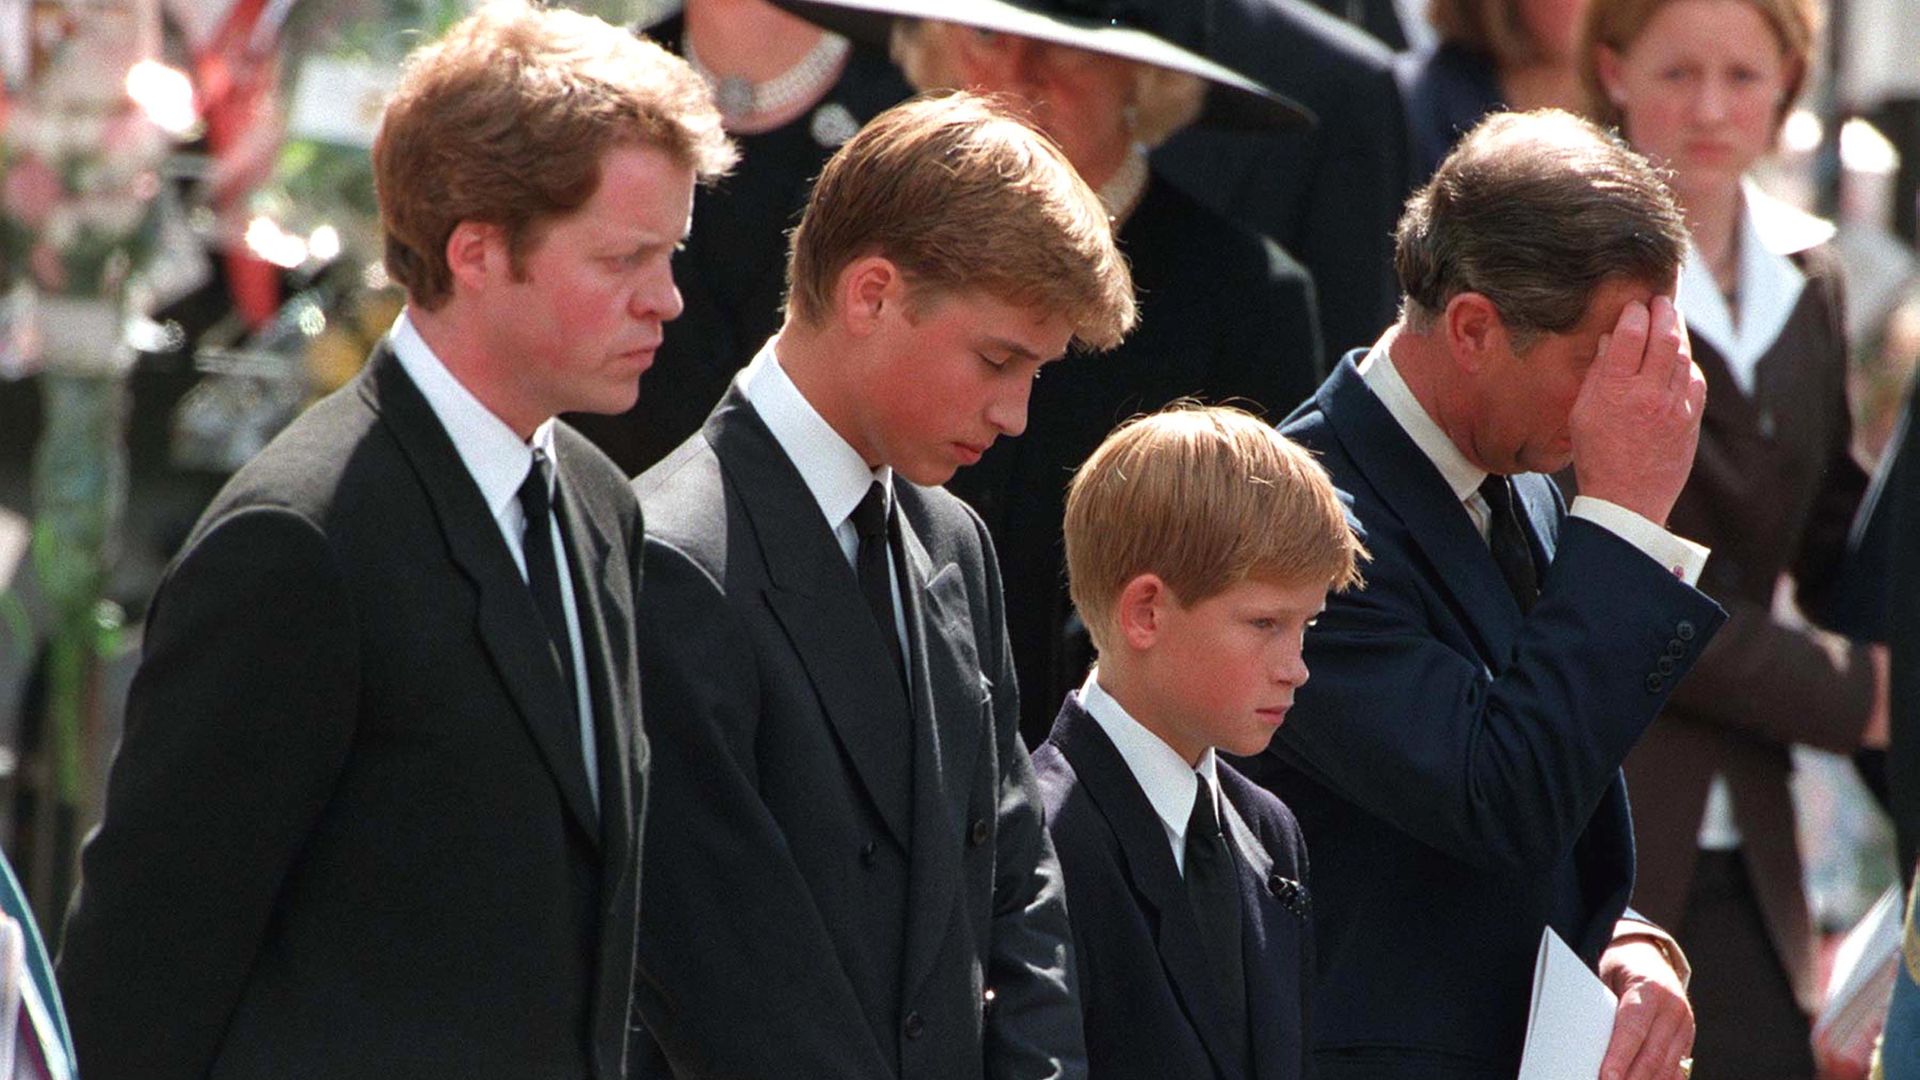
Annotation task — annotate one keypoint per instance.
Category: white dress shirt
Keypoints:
(834, 472)
(499, 461)
(1160, 771)
(1682, 557)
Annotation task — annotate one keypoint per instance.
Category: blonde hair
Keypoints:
(1617, 24)
(963, 196)
(505, 120)
(1163, 101)
(1204, 497)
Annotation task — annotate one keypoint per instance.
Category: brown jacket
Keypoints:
(1773, 491)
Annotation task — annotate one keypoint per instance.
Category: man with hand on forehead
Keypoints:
(1455, 760)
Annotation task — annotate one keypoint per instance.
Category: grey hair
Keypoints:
(1536, 211)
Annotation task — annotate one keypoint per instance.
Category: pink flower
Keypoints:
(44, 261)
(31, 192)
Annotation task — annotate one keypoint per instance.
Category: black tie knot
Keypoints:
(1507, 541)
(1498, 491)
(870, 517)
(1203, 824)
(536, 491)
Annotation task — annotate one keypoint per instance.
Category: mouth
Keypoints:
(968, 453)
(1274, 714)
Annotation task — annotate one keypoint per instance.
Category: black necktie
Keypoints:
(873, 521)
(1507, 538)
(1214, 888)
(543, 573)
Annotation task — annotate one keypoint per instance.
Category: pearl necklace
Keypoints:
(741, 101)
(1122, 192)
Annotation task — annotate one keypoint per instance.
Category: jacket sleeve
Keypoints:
(1034, 1029)
(1497, 766)
(238, 723)
(737, 975)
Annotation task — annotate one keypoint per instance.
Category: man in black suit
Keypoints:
(1192, 926)
(1455, 761)
(376, 813)
(856, 882)
(1329, 194)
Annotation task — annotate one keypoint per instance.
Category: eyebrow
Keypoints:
(1019, 351)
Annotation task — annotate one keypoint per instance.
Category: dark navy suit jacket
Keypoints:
(1455, 764)
(1152, 1009)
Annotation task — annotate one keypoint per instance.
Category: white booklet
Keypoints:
(1571, 1019)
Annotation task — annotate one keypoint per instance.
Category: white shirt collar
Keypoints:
(1769, 285)
(1378, 372)
(492, 453)
(1165, 776)
(833, 470)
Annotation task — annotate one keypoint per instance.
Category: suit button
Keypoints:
(1664, 666)
(1655, 684)
(978, 834)
(867, 851)
(914, 1025)
(1684, 630)
(1676, 648)
(1276, 884)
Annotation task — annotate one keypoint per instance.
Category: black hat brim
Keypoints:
(1234, 102)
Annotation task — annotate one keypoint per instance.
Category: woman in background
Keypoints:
(1492, 55)
(1702, 87)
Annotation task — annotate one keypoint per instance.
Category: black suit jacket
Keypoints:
(1152, 1008)
(1329, 195)
(348, 832)
(854, 881)
(1455, 764)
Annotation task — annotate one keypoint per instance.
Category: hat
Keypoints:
(1129, 29)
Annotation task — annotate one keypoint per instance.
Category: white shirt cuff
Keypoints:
(1681, 556)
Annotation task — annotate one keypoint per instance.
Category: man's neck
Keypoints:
(462, 353)
(1424, 365)
(1128, 687)
(814, 361)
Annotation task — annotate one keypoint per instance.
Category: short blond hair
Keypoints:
(505, 120)
(1204, 497)
(963, 196)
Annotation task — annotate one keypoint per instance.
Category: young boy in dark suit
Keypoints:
(848, 876)
(1201, 544)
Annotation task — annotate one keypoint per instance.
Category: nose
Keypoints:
(1007, 408)
(1291, 668)
(657, 297)
(1710, 103)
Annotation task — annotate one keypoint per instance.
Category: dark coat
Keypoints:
(1151, 1004)
(847, 874)
(348, 833)
(1447, 90)
(1224, 316)
(1455, 765)
(1330, 195)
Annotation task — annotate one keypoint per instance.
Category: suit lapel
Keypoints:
(589, 552)
(1436, 522)
(508, 624)
(1273, 991)
(947, 719)
(1156, 880)
(813, 595)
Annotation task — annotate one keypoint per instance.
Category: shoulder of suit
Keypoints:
(683, 496)
(1264, 811)
(592, 473)
(334, 454)
(943, 521)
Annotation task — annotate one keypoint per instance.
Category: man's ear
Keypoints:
(1141, 611)
(477, 253)
(869, 289)
(1606, 64)
(1476, 335)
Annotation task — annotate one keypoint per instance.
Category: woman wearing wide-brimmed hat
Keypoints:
(1225, 314)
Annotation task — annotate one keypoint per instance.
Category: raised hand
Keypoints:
(1637, 420)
